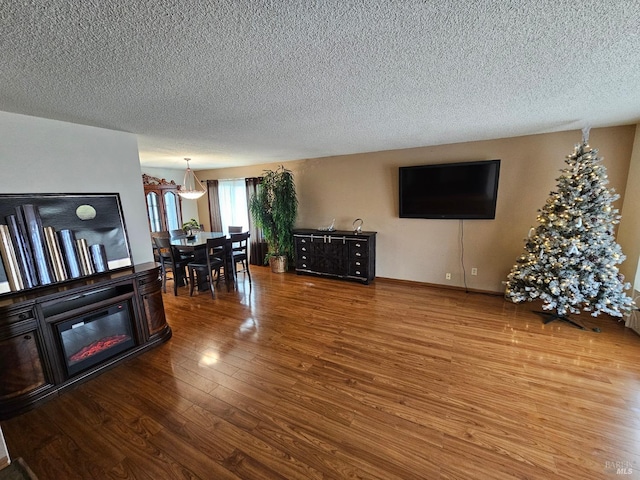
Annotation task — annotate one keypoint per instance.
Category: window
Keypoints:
(171, 207)
(233, 204)
(153, 210)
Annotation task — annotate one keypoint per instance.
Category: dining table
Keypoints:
(197, 244)
(197, 241)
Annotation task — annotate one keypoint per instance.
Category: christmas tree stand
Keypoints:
(550, 317)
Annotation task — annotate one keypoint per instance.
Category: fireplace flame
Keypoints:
(97, 347)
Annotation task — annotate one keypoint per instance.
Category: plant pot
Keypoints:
(278, 264)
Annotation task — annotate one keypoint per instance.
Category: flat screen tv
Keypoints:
(467, 190)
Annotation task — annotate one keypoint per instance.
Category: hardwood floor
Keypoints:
(308, 378)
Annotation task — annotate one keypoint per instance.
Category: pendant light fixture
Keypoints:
(191, 187)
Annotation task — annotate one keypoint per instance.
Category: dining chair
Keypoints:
(171, 260)
(156, 253)
(235, 229)
(239, 253)
(208, 267)
(177, 233)
(162, 233)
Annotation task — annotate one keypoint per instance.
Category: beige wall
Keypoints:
(366, 186)
(39, 155)
(629, 231)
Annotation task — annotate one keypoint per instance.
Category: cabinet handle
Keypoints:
(22, 316)
(358, 254)
(357, 244)
(358, 263)
(27, 337)
(357, 272)
(304, 265)
(304, 249)
(304, 257)
(303, 241)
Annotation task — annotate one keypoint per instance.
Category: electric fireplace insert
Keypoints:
(92, 327)
(95, 337)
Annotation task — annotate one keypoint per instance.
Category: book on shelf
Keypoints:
(85, 256)
(28, 217)
(55, 254)
(99, 257)
(10, 261)
(23, 252)
(69, 249)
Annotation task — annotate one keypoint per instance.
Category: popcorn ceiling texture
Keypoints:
(235, 82)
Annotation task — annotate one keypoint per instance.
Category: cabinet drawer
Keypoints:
(358, 250)
(18, 316)
(303, 257)
(302, 244)
(302, 260)
(358, 268)
(355, 254)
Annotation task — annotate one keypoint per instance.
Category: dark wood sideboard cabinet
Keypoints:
(339, 254)
(53, 337)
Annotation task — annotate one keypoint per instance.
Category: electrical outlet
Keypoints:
(448, 276)
(474, 271)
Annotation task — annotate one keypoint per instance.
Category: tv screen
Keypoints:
(466, 190)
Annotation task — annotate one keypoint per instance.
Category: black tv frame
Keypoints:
(461, 213)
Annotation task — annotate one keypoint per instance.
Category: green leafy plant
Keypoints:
(192, 224)
(274, 209)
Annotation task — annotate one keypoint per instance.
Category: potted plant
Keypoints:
(189, 226)
(274, 208)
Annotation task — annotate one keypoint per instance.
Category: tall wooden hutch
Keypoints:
(163, 204)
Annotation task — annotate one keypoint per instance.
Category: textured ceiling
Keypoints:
(235, 82)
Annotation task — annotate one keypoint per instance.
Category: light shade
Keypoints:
(191, 187)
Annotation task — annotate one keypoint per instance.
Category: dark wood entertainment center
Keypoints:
(33, 362)
(342, 254)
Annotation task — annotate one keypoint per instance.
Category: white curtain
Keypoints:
(233, 204)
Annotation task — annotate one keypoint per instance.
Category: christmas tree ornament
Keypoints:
(571, 257)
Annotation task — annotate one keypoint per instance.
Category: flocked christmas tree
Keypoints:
(571, 257)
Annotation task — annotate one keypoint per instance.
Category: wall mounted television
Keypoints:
(466, 190)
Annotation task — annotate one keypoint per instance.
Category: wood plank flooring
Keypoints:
(307, 378)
